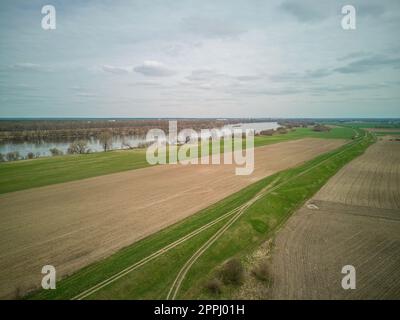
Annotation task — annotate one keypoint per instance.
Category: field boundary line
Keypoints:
(159, 252)
(152, 256)
(172, 245)
(186, 267)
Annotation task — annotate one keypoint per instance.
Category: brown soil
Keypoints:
(353, 220)
(73, 224)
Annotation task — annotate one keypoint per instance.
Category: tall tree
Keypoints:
(105, 139)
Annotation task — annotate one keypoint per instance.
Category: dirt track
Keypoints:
(73, 224)
(356, 221)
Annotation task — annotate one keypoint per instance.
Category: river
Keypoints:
(42, 149)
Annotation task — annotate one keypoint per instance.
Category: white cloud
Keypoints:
(154, 69)
(27, 66)
(116, 70)
(86, 94)
(256, 54)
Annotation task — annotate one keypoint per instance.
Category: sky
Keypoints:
(199, 58)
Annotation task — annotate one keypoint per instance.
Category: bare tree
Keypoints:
(105, 139)
(55, 152)
(79, 147)
(13, 156)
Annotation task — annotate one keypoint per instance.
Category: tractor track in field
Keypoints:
(173, 292)
(151, 257)
(237, 212)
(74, 224)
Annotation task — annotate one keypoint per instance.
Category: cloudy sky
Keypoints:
(199, 58)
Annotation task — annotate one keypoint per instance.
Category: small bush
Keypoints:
(262, 271)
(55, 152)
(232, 272)
(214, 286)
(13, 156)
(268, 132)
(30, 155)
(78, 147)
(321, 128)
(282, 130)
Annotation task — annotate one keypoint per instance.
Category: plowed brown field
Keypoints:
(73, 224)
(355, 221)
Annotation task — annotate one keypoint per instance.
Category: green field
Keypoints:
(372, 124)
(258, 223)
(25, 174)
(386, 133)
(299, 133)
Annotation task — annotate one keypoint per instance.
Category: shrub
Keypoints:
(214, 286)
(2, 159)
(268, 132)
(30, 155)
(232, 272)
(55, 152)
(321, 128)
(13, 156)
(262, 271)
(79, 147)
(282, 130)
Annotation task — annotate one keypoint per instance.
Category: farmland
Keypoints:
(27, 174)
(254, 224)
(75, 223)
(354, 219)
(199, 158)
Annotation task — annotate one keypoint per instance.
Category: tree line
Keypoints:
(71, 130)
(76, 147)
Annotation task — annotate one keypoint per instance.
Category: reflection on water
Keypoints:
(256, 126)
(42, 149)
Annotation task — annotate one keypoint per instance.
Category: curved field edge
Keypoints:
(153, 279)
(26, 174)
(264, 218)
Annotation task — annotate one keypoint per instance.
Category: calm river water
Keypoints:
(41, 149)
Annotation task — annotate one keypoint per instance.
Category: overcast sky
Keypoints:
(200, 58)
